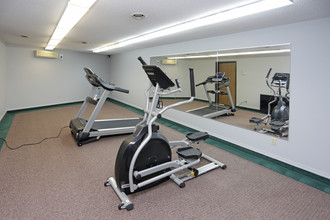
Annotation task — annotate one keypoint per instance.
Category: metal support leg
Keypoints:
(125, 202)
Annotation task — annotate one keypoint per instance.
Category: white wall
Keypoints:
(308, 145)
(251, 73)
(2, 80)
(33, 82)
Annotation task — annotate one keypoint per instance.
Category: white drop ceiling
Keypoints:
(110, 21)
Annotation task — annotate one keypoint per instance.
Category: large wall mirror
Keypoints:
(247, 87)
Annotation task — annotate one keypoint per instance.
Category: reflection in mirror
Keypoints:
(248, 88)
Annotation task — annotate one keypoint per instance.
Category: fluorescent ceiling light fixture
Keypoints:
(231, 54)
(74, 11)
(241, 11)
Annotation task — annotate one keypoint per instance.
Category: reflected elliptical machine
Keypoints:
(216, 109)
(279, 117)
(86, 131)
(144, 159)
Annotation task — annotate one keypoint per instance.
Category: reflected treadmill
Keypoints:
(216, 109)
(86, 131)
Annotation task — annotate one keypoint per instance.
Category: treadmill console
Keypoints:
(218, 77)
(97, 81)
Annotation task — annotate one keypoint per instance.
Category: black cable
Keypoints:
(15, 148)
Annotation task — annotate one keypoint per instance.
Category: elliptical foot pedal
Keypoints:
(277, 123)
(197, 136)
(189, 153)
(256, 120)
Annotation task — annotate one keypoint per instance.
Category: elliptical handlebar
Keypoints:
(267, 76)
(142, 61)
(192, 82)
(177, 83)
(267, 81)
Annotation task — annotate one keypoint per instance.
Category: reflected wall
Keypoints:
(248, 88)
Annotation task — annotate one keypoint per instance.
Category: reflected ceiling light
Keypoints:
(231, 54)
(74, 11)
(252, 8)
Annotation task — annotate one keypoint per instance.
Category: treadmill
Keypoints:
(216, 109)
(86, 131)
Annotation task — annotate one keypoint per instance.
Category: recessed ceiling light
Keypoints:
(138, 16)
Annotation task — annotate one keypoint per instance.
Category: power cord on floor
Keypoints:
(47, 138)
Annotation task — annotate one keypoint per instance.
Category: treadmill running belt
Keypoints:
(110, 124)
(207, 110)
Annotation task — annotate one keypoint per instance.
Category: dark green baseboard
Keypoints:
(249, 109)
(298, 174)
(5, 125)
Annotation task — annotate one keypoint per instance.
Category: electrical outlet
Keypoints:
(273, 141)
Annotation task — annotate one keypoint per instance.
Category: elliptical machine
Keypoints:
(279, 117)
(144, 159)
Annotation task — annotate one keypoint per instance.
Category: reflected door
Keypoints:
(230, 69)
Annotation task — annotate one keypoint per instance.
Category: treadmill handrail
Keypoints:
(213, 79)
(109, 87)
(97, 81)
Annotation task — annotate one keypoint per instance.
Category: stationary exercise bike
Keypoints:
(279, 117)
(144, 159)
